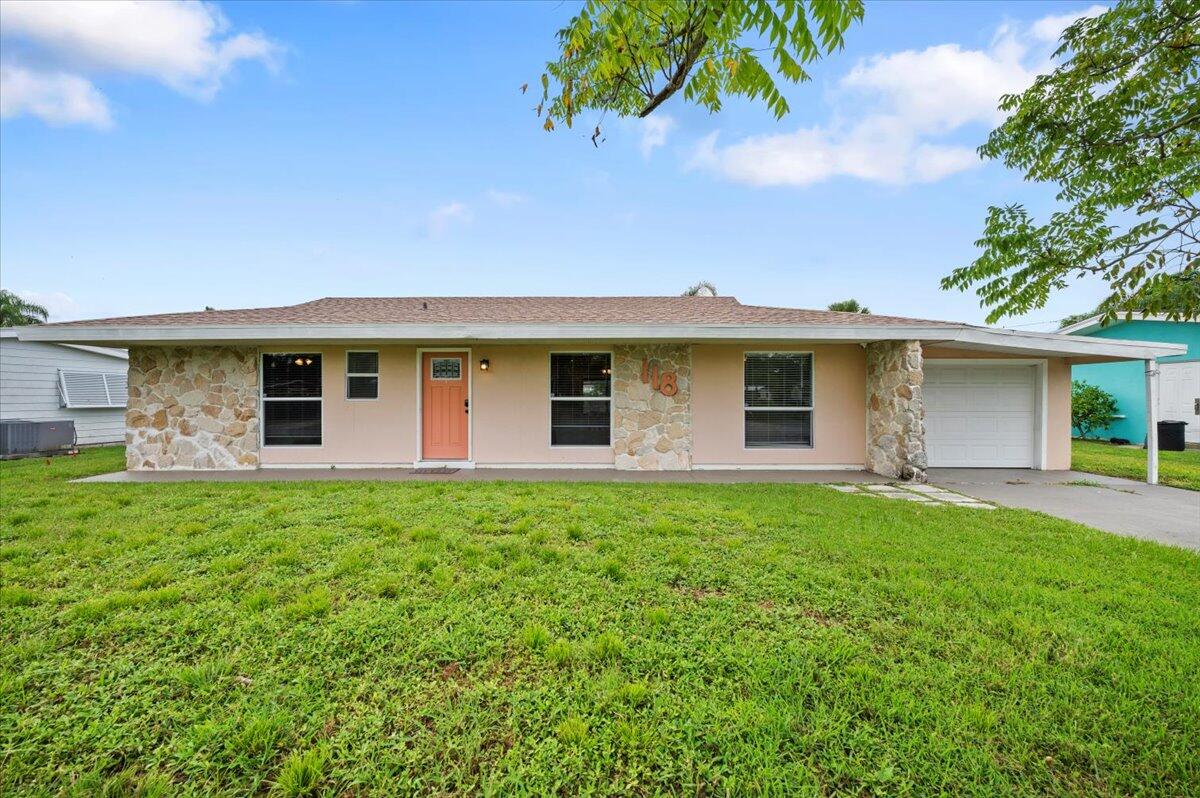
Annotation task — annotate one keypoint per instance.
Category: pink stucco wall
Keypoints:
(359, 431)
(839, 407)
(1058, 399)
(510, 409)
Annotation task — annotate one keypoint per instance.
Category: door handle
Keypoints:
(1196, 407)
(467, 406)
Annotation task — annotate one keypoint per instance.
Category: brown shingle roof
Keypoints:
(642, 310)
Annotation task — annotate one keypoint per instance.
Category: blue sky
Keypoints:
(249, 154)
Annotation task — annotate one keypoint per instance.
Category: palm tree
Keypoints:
(849, 306)
(702, 288)
(16, 312)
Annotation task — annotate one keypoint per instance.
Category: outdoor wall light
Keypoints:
(484, 364)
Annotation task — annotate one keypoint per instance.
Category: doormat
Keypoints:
(442, 470)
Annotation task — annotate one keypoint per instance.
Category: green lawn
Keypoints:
(1181, 469)
(435, 638)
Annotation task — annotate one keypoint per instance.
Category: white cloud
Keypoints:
(654, 133)
(61, 306)
(505, 199)
(186, 46)
(55, 98)
(441, 219)
(941, 88)
(893, 114)
(1048, 29)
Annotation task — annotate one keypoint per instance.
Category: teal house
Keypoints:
(1178, 380)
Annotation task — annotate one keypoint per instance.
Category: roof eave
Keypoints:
(963, 336)
(1093, 323)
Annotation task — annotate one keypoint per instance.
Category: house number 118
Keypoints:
(665, 383)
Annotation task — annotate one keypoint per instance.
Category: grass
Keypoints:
(1179, 469)
(372, 639)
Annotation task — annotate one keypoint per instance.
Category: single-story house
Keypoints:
(61, 381)
(1178, 375)
(643, 382)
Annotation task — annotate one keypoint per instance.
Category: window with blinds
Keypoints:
(362, 375)
(580, 399)
(81, 389)
(778, 399)
(291, 395)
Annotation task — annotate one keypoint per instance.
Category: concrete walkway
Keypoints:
(1150, 512)
(489, 474)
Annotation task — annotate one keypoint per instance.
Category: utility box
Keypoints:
(21, 438)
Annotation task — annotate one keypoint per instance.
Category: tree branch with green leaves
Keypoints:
(1116, 127)
(631, 56)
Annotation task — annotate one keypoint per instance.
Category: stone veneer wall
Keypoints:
(896, 410)
(192, 408)
(652, 432)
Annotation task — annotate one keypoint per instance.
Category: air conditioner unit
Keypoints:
(20, 437)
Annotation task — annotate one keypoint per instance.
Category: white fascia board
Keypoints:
(1047, 343)
(1087, 325)
(1066, 345)
(214, 333)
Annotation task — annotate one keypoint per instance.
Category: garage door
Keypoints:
(979, 416)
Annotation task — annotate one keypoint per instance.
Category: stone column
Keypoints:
(192, 407)
(652, 431)
(896, 410)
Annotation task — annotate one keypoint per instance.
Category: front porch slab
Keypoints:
(490, 475)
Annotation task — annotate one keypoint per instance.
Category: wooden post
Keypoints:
(1152, 421)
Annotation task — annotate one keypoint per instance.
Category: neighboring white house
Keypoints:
(45, 382)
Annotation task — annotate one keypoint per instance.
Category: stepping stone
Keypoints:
(925, 488)
(845, 488)
(908, 497)
(882, 488)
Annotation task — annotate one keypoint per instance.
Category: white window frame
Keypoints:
(811, 409)
(65, 395)
(263, 399)
(349, 374)
(553, 399)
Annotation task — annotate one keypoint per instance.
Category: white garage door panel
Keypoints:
(979, 416)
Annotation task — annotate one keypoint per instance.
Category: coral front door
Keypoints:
(445, 405)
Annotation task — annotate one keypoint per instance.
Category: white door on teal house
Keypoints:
(1179, 396)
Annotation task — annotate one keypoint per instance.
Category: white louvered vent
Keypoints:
(92, 388)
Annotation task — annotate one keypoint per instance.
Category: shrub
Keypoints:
(1092, 408)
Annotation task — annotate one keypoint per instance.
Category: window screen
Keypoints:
(93, 388)
(580, 403)
(362, 375)
(291, 399)
(778, 399)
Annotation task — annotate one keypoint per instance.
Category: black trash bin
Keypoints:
(1170, 436)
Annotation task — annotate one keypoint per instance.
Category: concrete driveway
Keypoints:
(1151, 512)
